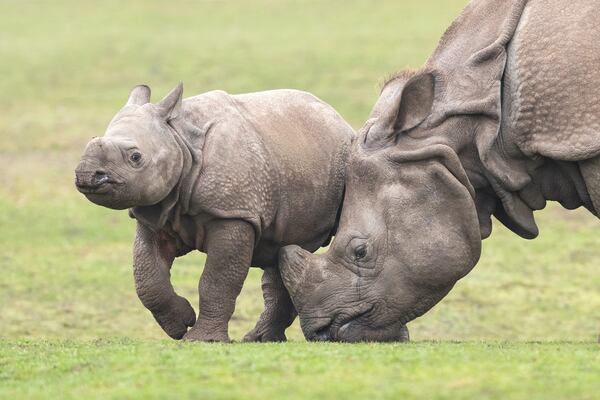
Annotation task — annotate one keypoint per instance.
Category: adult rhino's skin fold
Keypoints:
(503, 117)
(235, 176)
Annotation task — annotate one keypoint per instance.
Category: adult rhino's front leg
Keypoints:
(153, 255)
(229, 246)
(279, 312)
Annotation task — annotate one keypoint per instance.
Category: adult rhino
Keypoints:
(503, 117)
(234, 176)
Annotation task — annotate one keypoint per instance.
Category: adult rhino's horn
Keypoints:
(139, 95)
(170, 106)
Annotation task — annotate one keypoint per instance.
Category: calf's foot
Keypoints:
(197, 334)
(229, 246)
(265, 334)
(175, 317)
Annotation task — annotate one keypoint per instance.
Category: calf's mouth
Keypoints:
(93, 182)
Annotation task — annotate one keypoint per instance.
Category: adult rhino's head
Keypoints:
(137, 161)
(426, 173)
(408, 230)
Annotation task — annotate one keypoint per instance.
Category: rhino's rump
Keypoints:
(552, 81)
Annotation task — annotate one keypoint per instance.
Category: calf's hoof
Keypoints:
(265, 335)
(200, 335)
(176, 317)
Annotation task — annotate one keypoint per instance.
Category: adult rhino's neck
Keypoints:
(539, 179)
(549, 180)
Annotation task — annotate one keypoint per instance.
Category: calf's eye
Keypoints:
(135, 157)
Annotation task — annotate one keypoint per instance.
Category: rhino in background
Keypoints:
(503, 117)
(234, 176)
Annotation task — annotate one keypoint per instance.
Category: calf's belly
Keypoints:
(266, 252)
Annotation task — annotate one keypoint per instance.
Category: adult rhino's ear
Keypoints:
(407, 108)
(170, 107)
(139, 96)
(415, 102)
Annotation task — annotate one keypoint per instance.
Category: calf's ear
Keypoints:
(139, 96)
(408, 108)
(170, 107)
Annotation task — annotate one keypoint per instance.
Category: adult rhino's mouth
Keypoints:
(332, 329)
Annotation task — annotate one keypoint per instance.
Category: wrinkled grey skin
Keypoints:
(234, 176)
(503, 117)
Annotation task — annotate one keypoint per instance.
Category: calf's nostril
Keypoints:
(100, 177)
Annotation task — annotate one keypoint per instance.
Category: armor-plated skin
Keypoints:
(504, 117)
(234, 176)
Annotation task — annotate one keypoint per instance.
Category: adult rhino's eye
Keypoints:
(135, 157)
(360, 252)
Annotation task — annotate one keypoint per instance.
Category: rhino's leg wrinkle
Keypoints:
(153, 255)
(590, 170)
(279, 312)
(229, 247)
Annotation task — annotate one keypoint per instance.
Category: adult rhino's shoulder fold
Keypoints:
(470, 62)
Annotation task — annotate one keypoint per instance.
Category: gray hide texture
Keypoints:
(503, 117)
(234, 176)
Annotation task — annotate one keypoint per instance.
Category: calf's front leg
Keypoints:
(229, 247)
(153, 255)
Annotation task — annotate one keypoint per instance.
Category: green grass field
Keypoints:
(522, 325)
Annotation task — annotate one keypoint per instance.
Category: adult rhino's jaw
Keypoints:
(341, 327)
(326, 301)
(359, 330)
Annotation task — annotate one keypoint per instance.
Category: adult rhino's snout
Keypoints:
(293, 262)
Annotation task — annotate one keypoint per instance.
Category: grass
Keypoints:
(157, 370)
(527, 316)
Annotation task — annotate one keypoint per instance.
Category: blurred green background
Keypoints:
(66, 68)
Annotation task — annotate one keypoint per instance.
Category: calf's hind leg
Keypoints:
(279, 312)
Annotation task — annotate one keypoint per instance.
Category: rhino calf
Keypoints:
(234, 176)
